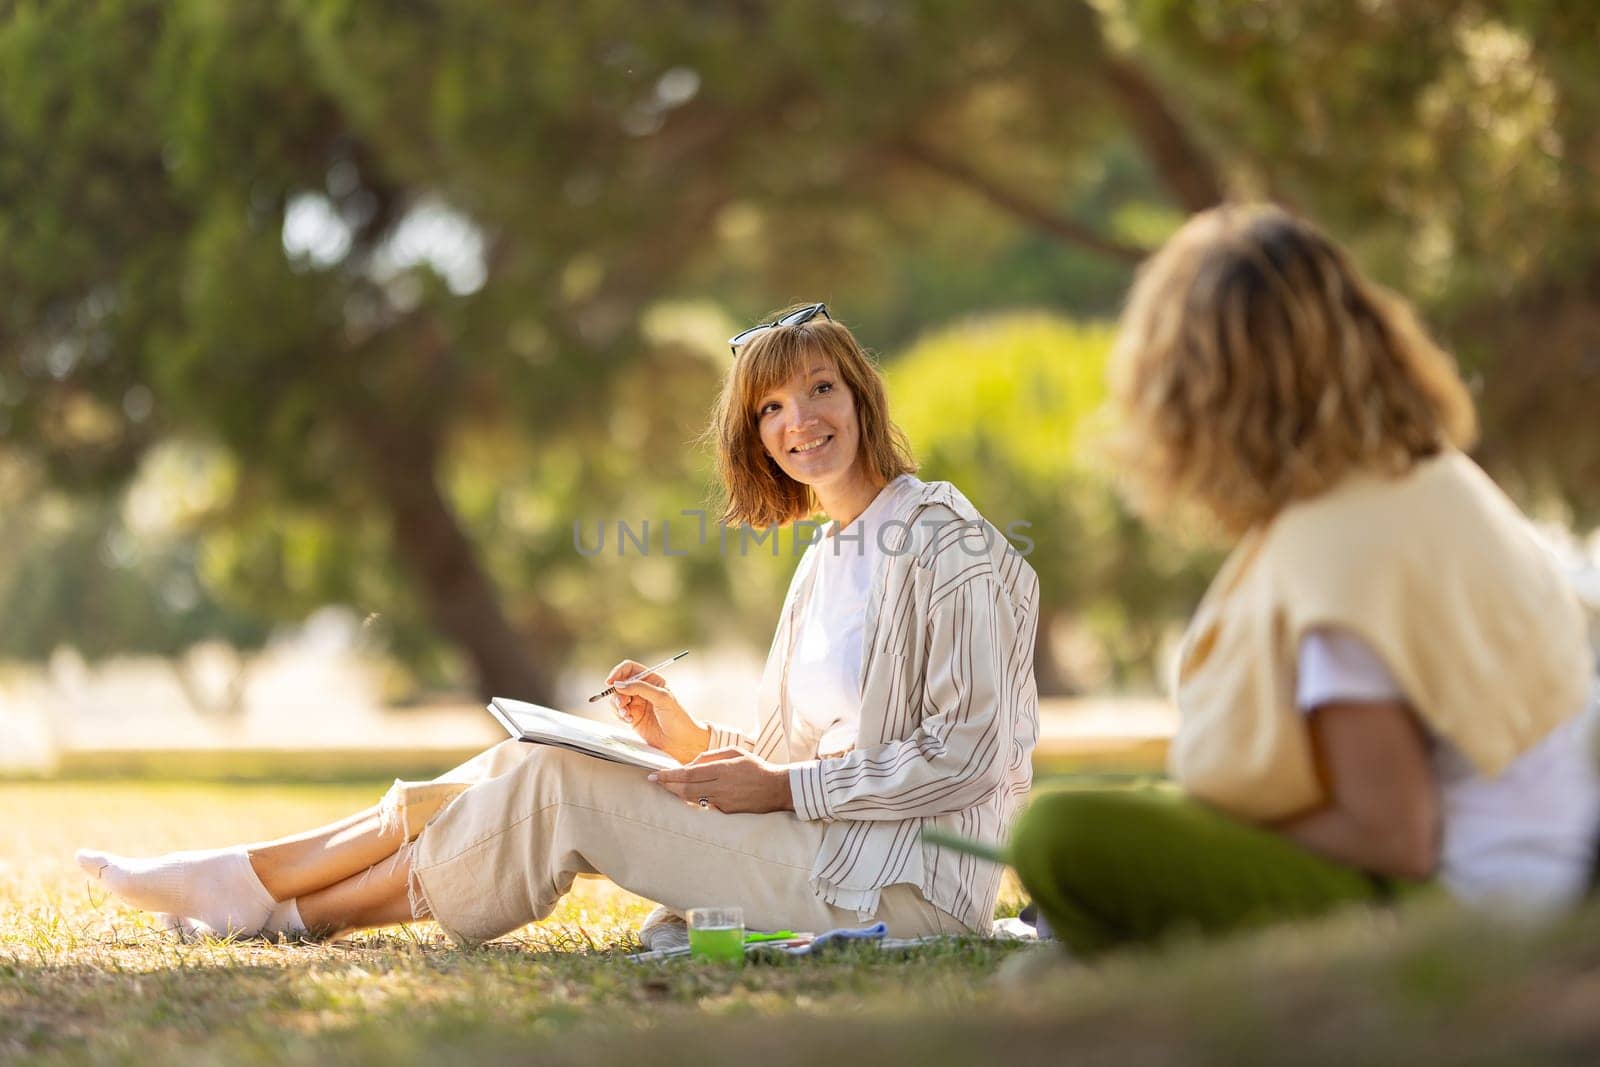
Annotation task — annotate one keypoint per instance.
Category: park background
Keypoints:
(334, 332)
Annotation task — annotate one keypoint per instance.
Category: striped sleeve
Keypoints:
(728, 737)
(955, 757)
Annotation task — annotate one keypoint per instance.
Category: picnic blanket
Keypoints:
(665, 939)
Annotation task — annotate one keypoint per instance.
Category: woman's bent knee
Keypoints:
(1065, 833)
(1082, 821)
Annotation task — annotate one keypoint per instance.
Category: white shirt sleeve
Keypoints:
(1336, 666)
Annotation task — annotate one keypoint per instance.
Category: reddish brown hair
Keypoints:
(755, 489)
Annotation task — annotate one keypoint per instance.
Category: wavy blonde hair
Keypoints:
(1256, 366)
(755, 489)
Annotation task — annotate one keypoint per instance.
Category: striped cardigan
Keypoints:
(949, 714)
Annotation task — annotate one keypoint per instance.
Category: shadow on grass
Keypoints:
(1436, 986)
(233, 1001)
(1428, 986)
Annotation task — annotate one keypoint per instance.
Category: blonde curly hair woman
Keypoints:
(1388, 682)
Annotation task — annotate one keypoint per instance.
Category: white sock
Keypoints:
(284, 924)
(285, 921)
(216, 888)
(184, 929)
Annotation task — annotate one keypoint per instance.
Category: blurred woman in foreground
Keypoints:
(1388, 682)
(898, 695)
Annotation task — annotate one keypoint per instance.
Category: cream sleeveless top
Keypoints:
(1438, 572)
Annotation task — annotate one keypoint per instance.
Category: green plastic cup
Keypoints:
(717, 934)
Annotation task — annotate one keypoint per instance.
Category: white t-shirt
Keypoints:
(1525, 837)
(835, 575)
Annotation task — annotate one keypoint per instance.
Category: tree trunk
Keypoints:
(460, 597)
(1538, 351)
(1050, 675)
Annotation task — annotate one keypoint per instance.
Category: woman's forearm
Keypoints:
(1396, 849)
(920, 785)
(691, 743)
(1382, 810)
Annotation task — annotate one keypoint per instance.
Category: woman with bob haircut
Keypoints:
(1389, 680)
(898, 695)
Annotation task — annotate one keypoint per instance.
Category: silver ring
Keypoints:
(705, 803)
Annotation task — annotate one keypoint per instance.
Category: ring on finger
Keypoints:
(704, 802)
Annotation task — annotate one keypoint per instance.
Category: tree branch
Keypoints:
(1069, 231)
(1187, 171)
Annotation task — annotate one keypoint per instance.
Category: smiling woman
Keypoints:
(898, 695)
(804, 414)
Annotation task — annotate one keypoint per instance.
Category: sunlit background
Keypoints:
(331, 331)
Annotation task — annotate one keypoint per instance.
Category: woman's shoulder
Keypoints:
(941, 531)
(1369, 514)
(924, 514)
(915, 497)
(1372, 537)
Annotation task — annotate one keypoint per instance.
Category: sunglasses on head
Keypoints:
(794, 318)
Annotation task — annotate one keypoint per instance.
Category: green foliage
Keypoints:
(1455, 147)
(164, 160)
(1005, 407)
(1448, 185)
(1016, 392)
(77, 576)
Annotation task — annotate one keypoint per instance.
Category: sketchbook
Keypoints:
(540, 725)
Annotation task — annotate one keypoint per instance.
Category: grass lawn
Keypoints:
(83, 979)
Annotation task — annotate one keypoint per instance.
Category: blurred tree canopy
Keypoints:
(433, 281)
(1458, 148)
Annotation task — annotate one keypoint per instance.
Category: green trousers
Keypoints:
(1111, 867)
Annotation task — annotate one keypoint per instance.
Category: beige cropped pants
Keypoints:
(500, 839)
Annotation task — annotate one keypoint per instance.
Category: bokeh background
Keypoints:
(327, 327)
